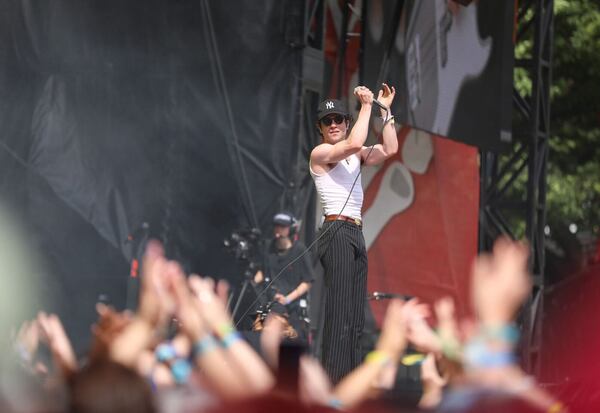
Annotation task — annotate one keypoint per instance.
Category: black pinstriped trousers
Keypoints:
(344, 258)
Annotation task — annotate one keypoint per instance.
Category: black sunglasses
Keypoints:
(338, 119)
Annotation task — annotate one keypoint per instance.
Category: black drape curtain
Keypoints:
(183, 115)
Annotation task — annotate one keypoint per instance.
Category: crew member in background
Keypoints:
(292, 285)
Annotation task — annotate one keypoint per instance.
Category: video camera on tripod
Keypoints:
(243, 243)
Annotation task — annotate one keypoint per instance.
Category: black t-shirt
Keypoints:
(300, 271)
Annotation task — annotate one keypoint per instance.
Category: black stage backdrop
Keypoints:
(183, 115)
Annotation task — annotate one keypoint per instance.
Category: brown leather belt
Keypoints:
(355, 221)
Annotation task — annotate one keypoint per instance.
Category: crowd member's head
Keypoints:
(333, 120)
(109, 387)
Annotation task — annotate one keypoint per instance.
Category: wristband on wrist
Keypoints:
(224, 329)
(390, 119)
(412, 359)
(180, 367)
(181, 370)
(335, 404)
(165, 352)
(230, 339)
(377, 357)
(204, 346)
(451, 349)
(508, 333)
(478, 355)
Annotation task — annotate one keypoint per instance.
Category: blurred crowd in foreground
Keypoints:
(180, 352)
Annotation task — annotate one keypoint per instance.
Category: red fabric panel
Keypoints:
(427, 249)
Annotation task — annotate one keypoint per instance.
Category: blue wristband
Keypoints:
(230, 339)
(335, 404)
(508, 333)
(165, 352)
(477, 355)
(205, 345)
(181, 370)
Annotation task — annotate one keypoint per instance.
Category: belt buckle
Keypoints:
(357, 222)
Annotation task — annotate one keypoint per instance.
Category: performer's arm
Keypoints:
(389, 146)
(326, 153)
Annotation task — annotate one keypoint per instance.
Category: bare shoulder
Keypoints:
(318, 165)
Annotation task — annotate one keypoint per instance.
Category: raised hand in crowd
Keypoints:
(270, 339)
(213, 309)
(500, 282)
(433, 383)
(314, 386)
(53, 334)
(418, 332)
(26, 342)
(207, 353)
(152, 313)
(109, 325)
(360, 384)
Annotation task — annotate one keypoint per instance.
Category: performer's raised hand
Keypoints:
(386, 96)
(364, 95)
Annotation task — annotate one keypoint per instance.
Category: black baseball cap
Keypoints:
(330, 106)
(284, 219)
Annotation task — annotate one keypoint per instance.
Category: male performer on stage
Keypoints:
(335, 166)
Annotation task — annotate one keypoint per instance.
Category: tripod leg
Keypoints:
(239, 299)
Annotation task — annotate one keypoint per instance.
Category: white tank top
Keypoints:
(334, 186)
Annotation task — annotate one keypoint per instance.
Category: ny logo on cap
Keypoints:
(329, 105)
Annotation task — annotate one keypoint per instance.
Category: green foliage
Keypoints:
(573, 193)
(574, 161)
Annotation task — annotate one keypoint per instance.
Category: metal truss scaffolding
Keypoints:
(502, 211)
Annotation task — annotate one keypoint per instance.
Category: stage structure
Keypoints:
(528, 158)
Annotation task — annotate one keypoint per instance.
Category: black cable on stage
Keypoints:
(276, 277)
